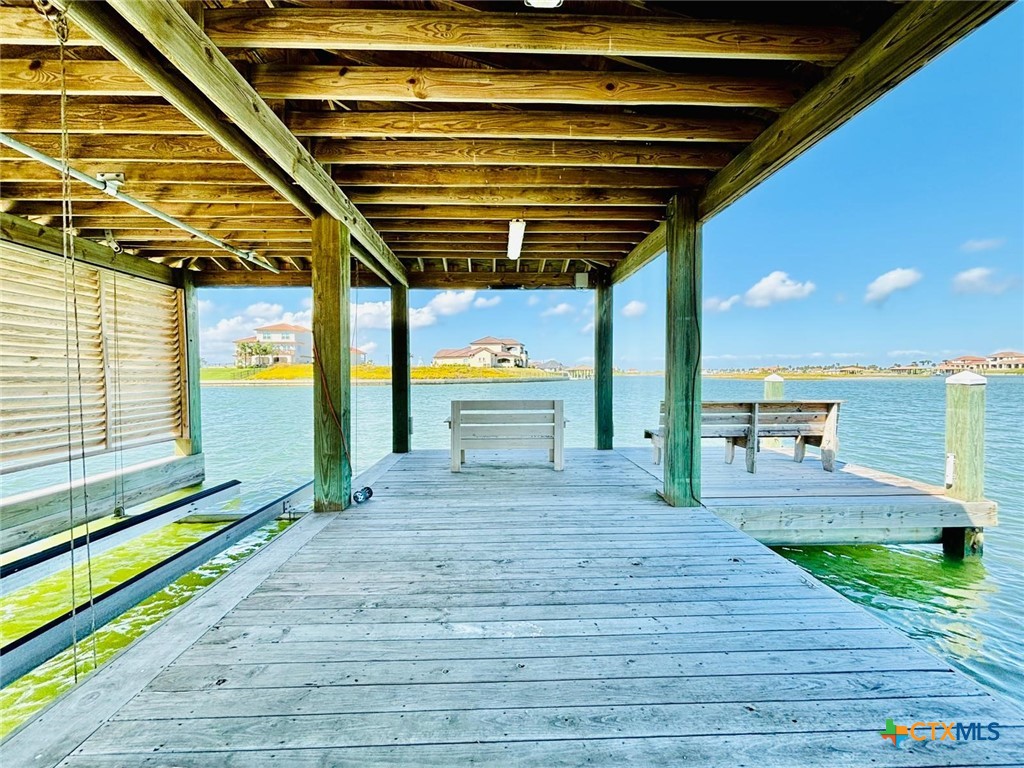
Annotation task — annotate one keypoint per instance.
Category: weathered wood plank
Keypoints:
(490, 86)
(505, 176)
(373, 30)
(496, 124)
(682, 486)
(332, 475)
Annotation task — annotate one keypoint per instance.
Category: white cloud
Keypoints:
(982, 244)
(371, 314)
(482, 303)
(263, 309)
(421, 317)
(979, 280)
(368, 348)
(205, 305)
(634, 309)
(776, 287)
(847, 355)
(883, 286)
(588, 327)
(533, 301)
(559, 309)
(451, 302)
(715, 304)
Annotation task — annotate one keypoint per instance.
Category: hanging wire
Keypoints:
(59, 24)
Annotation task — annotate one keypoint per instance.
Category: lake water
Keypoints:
(968, 613)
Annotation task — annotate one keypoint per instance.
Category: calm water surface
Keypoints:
(968, 613)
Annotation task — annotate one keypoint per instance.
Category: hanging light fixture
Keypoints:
(516, 230)
(543, 3)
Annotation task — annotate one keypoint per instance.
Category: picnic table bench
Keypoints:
(810, 422)
(499, 424)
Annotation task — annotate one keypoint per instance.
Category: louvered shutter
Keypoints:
(89, 360)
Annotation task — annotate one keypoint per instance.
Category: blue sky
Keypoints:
(899, 237)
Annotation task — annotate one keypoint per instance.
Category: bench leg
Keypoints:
(551, 455)
(656, 446)
(730, 450)
(752, 455)
(559, 460)
(799, 449)
(458, 455)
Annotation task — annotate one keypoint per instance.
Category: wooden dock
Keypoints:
(512, 615)
(790, 503)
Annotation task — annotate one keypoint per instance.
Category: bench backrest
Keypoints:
(784, 416)
(524, 419)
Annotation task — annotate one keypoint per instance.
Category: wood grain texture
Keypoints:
(682, 486)
(96, 119)
(179, 149)
(495, 124)
(28, 171)
(913, 36)
(169, 28)
(443, 625)
(192, 412)
(508, 176)
(646, 251)
(344, 29)
(488, 86)
(499, 224)
(42, 77)
(520, 152)
(506, 196)
(332, 410)
(548, 213)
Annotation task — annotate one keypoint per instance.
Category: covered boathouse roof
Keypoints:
(427, 125)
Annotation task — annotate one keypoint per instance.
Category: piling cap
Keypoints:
(970, 378)
(773, 377)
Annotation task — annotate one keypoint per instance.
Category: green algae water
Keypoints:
(969, 614)
(27, 695)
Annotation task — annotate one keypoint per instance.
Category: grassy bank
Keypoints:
(377, 373)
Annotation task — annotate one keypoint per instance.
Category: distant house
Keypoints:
(547, 365)
(291, 344)
(909, 370)
(580, 372)
(1005, 361)
(488, 352)
(852, 370)
(964, 363)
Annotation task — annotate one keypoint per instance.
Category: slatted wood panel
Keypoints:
(512, 616)
(89, 360)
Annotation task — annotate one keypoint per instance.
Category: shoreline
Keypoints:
(374, 382)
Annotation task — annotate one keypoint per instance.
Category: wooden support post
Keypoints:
(603, 415)
(774, 387)
(401, 389)
(682, 354)
(191, 442)
(332, 470)
(965, 457)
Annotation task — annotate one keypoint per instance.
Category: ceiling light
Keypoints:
(543, 3)
(516, 230)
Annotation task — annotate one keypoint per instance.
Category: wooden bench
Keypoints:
(810, 422)
(500, 424)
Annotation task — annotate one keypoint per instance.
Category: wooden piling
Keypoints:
(332, 472)
(401, 389)
(682, 354)
(192, 442)
(965, 457)
(774, 389)
(603, 416)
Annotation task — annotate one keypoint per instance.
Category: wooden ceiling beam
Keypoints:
(134, 236)
(493, 86)
(271, 213)
(490, 252)
(218, 227)
(169, 28)
(240, 278)
(511, 176)
(97, 119)
(538, 33)
(42, 77)
(459, 225)
(400, 239)
(27, 170)
(177, 150)
(500, 124)
(505, 196)
(157, 194)
(522, 152)
(506, 212)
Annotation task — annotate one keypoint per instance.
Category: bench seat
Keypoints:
(507, 424)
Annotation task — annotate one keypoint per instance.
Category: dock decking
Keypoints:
(512, 615)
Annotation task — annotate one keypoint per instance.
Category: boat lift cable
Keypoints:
(112, 187)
